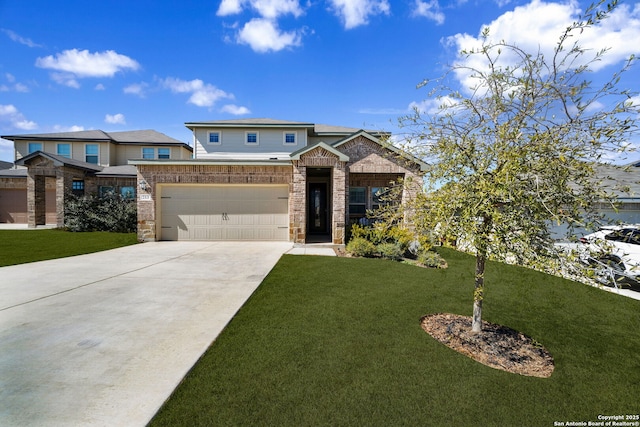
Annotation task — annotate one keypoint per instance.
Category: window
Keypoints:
(127, 192)
(251, 138)
(77, 187)
(164, 153)
(376, 194)
(91, 153)
(214, 138)
(35, 146)
(357, 201)
(148, 153)
(64, 150)
(105, 190)
(290, 138)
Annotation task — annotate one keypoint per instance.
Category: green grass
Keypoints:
(22, 246)
(337, 342)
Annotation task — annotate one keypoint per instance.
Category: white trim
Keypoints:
(219, 132)
(246, 137)
(284, 138)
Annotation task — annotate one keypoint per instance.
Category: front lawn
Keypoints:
(22, 246)
(337, 342)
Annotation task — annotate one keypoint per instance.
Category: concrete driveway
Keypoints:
(103, 339)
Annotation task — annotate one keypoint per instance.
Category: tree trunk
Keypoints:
(478, 292)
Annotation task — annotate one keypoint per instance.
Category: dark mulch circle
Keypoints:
(496, 346)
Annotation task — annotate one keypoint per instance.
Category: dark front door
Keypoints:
(317, 217)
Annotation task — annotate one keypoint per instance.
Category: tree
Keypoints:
(517, 149)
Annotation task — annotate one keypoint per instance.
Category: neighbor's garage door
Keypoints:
(225, 212)
(13, 206)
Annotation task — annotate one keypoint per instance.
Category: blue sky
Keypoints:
(125, 65)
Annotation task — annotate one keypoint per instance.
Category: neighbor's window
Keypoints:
(252, 137)
(164, 153)
(64, 150)
(290, 137)
(127, 192)
(91, 153)
(35, 146)
(214, 137)
(357, 200)
(148, 153)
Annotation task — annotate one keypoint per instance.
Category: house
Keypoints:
(247, 179)
(48, 166)
(265, 179)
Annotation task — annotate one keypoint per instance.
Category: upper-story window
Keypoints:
(290, 138)
(252, 138)
(164, 153)
(64, 150)
(215, 138)
(148, 153)
(35, 146)
(92, 153)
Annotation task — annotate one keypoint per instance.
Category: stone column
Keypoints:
(298, 210)
(339, 186)
(36, 200)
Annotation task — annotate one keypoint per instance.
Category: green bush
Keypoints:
(431, 259)
(108, 213)
(360, 247)
(390, 251)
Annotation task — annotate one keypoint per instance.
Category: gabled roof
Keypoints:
(5, 165)
(388, 146)
(341, 156)
(60, 161)
(136, 137)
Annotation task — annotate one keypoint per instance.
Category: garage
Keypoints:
(13, 206)
(223, 212)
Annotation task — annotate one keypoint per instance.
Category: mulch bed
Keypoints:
(496, 346)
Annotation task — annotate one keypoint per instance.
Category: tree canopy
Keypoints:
(517, 148)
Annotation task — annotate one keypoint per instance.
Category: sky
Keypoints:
(155, 64)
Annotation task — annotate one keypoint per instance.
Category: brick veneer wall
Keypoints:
(149, 176)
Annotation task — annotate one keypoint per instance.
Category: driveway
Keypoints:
(103, 339)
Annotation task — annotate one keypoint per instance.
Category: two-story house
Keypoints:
(265, 179)
(49, 166)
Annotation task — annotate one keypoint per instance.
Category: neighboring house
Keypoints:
(49, 166)
(265, 179)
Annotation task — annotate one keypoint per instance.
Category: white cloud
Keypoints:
(266, 8)
(115, 119)
(357, 12)
(99, 86)
(202, 95)
(19, 39)
(70, 65)
(432, 106)
(537, 26)
(73, 128)
(13, 85)
(429, 9)
(138, 89)
(9, 113)
(263, 35)
(235, 110)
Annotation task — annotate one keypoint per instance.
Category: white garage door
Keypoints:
(224, 212)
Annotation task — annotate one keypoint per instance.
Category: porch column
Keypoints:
(340, 192)
(298, 217)
(36, 200)
(63, 182)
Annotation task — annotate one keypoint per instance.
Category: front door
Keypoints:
(317, 218)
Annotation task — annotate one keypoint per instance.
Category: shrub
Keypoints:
(390, 251)
(92, 213)
(360, 247)
(431, 259)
